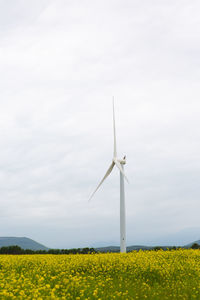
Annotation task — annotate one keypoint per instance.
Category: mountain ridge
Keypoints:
(27, 243)
(22, 242)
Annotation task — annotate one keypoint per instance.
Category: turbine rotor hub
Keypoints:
(122, 161)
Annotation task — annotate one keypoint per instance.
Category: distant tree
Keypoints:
(195, 246)
(85, 250)
(11, 250)
(157, 248)
(54, 251)
(28, 251)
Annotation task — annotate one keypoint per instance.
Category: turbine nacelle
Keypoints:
(121, 161)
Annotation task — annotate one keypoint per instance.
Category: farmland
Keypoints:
(136, 275)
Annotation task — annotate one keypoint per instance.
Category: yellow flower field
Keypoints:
(137, 275)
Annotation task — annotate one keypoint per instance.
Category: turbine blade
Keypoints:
(105, 176)
(114, 132)
(120, 168)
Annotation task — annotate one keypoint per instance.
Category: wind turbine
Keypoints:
(120, 165)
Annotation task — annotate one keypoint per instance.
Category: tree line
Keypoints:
(18, 250)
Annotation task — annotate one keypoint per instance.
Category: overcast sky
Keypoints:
(61, 61)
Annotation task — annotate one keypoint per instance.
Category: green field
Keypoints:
(137, 275)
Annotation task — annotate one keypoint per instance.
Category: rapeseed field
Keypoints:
(138, 275)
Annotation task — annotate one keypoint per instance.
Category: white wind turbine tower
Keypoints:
(120, 165)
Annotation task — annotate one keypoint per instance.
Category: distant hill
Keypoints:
(177, 238)
(23, 242)
(132, 248)
(108, 249)
(26, 243)
(117, 248)
(190, 244)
